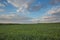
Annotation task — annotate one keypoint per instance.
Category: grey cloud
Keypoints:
(20, 20)
(36, 7)
(2, 5)
(15, 19)
(54, 2)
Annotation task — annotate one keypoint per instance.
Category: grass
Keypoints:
(48, 31)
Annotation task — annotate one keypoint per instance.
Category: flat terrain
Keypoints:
(50, 31)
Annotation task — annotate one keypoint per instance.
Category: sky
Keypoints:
(29, 11)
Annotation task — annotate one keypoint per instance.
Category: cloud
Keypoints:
(54, 2)
(13, 18)
(7, 16)
(25, 5)
(22, 6)
(2, 5)
(36, 7)
(2, 10)
(53, 10)
(53, 15)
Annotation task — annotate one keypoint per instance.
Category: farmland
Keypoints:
(48, 31)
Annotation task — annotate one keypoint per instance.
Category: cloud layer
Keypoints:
(12, 18)
(29, 6)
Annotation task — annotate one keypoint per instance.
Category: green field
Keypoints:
(30, 31)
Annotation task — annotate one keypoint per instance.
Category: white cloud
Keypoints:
(52, 15)
(13, 18)
(20, 4)
(2, 10)
(54, 10)
(17, 3)
(24, 6)
(7, 16)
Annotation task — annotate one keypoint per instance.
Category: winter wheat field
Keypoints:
(43, 31)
